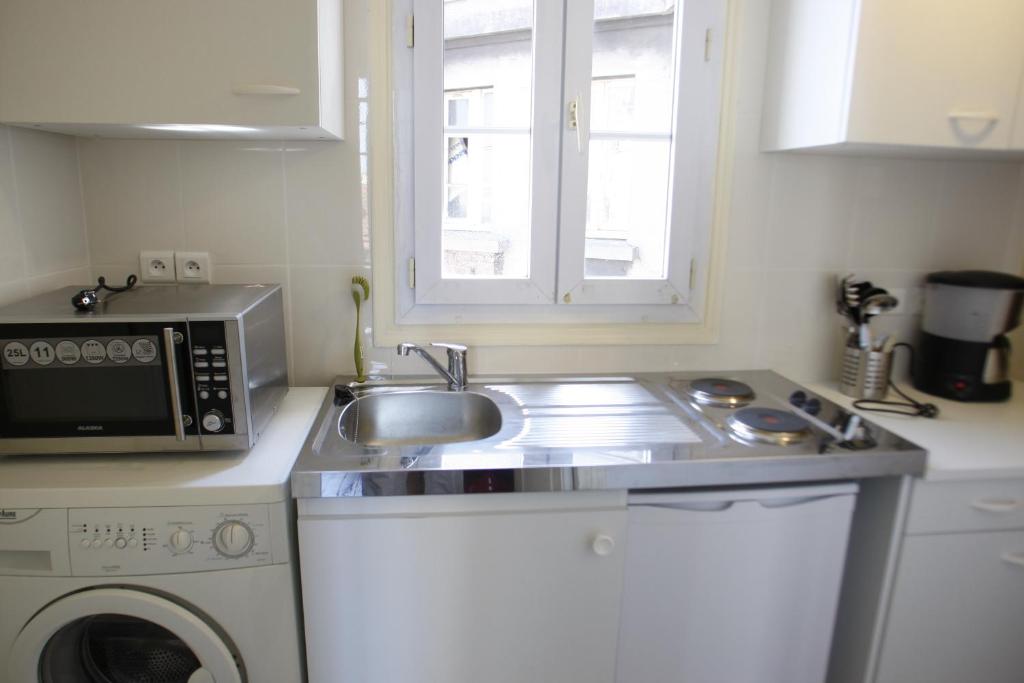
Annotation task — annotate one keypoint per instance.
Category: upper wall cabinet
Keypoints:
(896, 75)
(181, 68)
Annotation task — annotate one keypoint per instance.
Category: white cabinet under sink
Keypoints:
(574, 587)
(885, 75)
(231, 68)
(502, 588)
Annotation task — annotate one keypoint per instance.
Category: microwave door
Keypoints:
(84, 384)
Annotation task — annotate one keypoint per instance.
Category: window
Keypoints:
(563, 158)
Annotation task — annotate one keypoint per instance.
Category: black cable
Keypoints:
(908, 406)
(87, 299)
(101, 283)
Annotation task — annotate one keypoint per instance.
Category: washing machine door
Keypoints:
(120, 635)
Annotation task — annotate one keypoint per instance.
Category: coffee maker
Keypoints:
(964, 353)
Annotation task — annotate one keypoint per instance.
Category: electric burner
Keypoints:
(768, 425)
(720, 393)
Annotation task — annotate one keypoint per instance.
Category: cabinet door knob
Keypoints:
(603, 545)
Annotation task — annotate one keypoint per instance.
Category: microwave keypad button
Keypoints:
(202, 378)
(16, 354)
(42, 353)
(119, 351)
(220, 378)
(217, 351)
(94, 351)
(144, 350)
(204, 394)
(68, 352)
(202, 365)
(222, 394)
(219, 364)
(198, 350)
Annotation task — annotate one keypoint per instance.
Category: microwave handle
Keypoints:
(171, 359)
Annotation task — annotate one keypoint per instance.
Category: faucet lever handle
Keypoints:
(458, 348)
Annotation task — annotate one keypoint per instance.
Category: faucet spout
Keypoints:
(455, 375)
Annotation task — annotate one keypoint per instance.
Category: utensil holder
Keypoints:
(865, 373)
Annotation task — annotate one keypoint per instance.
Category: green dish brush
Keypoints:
(360, 293)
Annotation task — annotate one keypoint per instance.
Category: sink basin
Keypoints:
(419, 417)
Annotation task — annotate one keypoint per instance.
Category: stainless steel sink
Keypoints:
(398, 418)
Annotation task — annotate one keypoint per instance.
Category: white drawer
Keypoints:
(990, 505)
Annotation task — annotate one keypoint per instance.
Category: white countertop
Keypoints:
(259, 475)
(965, 441)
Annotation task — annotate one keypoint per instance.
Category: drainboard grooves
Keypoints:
(604, 431)
(587, 394)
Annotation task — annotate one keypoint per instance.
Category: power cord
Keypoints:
(908, 406)
(87, 299)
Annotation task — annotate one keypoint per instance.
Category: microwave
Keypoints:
(155, 368)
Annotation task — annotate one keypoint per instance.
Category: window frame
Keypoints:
(428, 143)
(398, 315)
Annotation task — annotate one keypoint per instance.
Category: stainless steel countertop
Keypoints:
(632, 431)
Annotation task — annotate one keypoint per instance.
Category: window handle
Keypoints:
(574, 122)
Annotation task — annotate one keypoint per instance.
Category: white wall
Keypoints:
(42, 226)
(292, 213)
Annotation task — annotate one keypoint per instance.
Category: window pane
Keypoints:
(488, 85)
(630, 135)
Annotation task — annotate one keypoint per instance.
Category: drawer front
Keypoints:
(990, 505)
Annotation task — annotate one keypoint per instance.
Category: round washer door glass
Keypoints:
(109, 635)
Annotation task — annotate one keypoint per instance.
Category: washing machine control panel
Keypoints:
(137, 541)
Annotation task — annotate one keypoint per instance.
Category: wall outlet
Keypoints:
(192, 266)
(156, 266)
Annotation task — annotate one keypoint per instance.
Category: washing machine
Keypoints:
(160, 568)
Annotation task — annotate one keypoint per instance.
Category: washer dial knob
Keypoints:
(180, 541)
(213, 421)
(233, 538)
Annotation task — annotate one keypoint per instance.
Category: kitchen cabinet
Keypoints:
(737, 586)
(504, 588)
(232, 68)
(957, 608)
(895, 75)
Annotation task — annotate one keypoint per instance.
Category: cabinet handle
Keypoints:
(603, 545)
(996, 505)
(1013, 558)
(264, 89)
(973, 115)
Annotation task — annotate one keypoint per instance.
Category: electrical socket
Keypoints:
(156, 266)
(192, 266)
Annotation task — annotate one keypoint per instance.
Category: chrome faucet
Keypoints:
(455, 375)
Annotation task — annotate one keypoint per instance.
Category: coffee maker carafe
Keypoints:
(964, 353)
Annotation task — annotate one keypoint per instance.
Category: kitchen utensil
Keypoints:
(360, 294)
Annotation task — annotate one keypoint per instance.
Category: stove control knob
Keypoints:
(798, 398)
(233, 538)
(180, 541)
(812, 407)
(213, 421)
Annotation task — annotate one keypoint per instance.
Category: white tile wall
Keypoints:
(43, 242)
(292, 213)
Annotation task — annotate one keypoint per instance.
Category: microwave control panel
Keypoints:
(139, 541)
(80, 352)
(211, 368)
